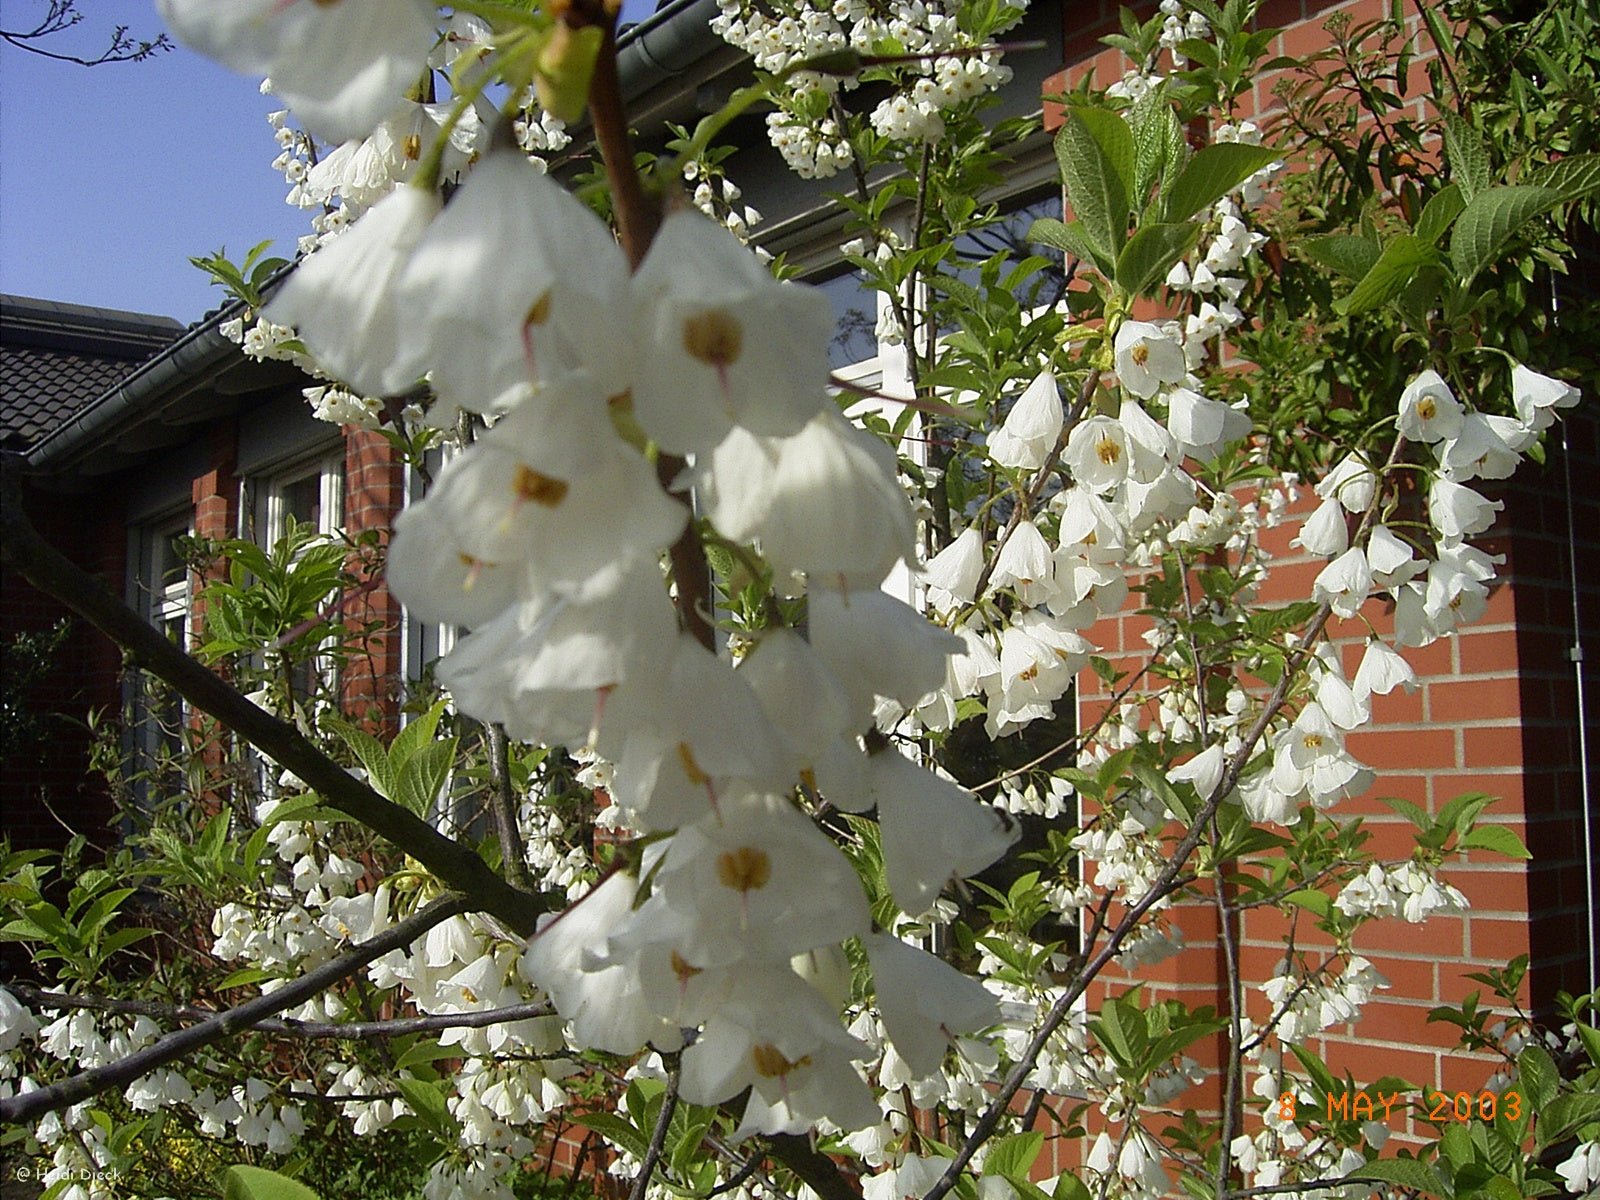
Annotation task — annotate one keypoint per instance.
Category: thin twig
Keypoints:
(503, 800)
(39, 998)
(1316, 1185)
(77, 1088)
(658, 1136)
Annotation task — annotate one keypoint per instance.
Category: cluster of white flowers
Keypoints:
(946, 68)
(1409, 890)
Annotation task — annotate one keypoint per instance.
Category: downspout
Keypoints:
(1575, 656)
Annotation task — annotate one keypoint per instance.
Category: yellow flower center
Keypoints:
(538, 487)
(1107, 450)
(770, 1062)
(746, 869)
(713, 337)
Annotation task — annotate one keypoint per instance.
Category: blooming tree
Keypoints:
(851, 886)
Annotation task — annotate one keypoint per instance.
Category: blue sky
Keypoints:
(112, 176)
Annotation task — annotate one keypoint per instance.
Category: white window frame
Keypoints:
(264, 512)
(160, 590)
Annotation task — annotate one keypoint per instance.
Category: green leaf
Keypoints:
(1399, 262)
(1565, 1115)
(419, 732)
(1466, 155)
(1150, 253)
(424, 773)
(1489, 220)
(1210, 175)
(258, 1183)
(425, 1051)
(1014, 1155)
(1440, 213)
(1407, 1172)
(1071, 238)
(1349, 254)
(243, 977)
(1496, 838)
(617, 1131)
(1095, 150)
(1539, 1076)
(1159, 148)
(1574, 177)
(1312, 901)
(427, 1101)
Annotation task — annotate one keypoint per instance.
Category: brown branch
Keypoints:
(658, 1136)
(39, 998)
(638, 218)
(503, 801)
(22, 549)
(77, 1088)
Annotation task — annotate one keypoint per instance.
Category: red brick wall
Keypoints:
(1495, 712)
(374, 493)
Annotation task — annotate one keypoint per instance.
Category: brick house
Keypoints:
(202, 440)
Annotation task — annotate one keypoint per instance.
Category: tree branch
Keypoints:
(47, 569)
(39, 998)
(503, 800)
(77, 1088)
(658, 1136)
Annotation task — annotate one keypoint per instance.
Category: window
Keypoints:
(159, 586)
(308, 493)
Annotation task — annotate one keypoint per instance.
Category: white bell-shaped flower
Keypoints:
(1345, 583)
(1203, 772)
(1459, 512)
(1391, 559)
(1478, 452)
(1201, 426)
(876, 645)
(1024, 564)
(1539, 397)
(1382, 670)
(1097, 453)
(514, 282)
(1031, 428)
(341, 67)
(726, 343)
(341, 298)
(807, 706)
(934, 830)
(1148, 358)
(1352, 482)
(952, 574)
(599, 995)
(553, 486)
(835, 510)
(1325, 532)
(761, 883)
(777, 1036)
(1429, 410)
(925, 1002)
